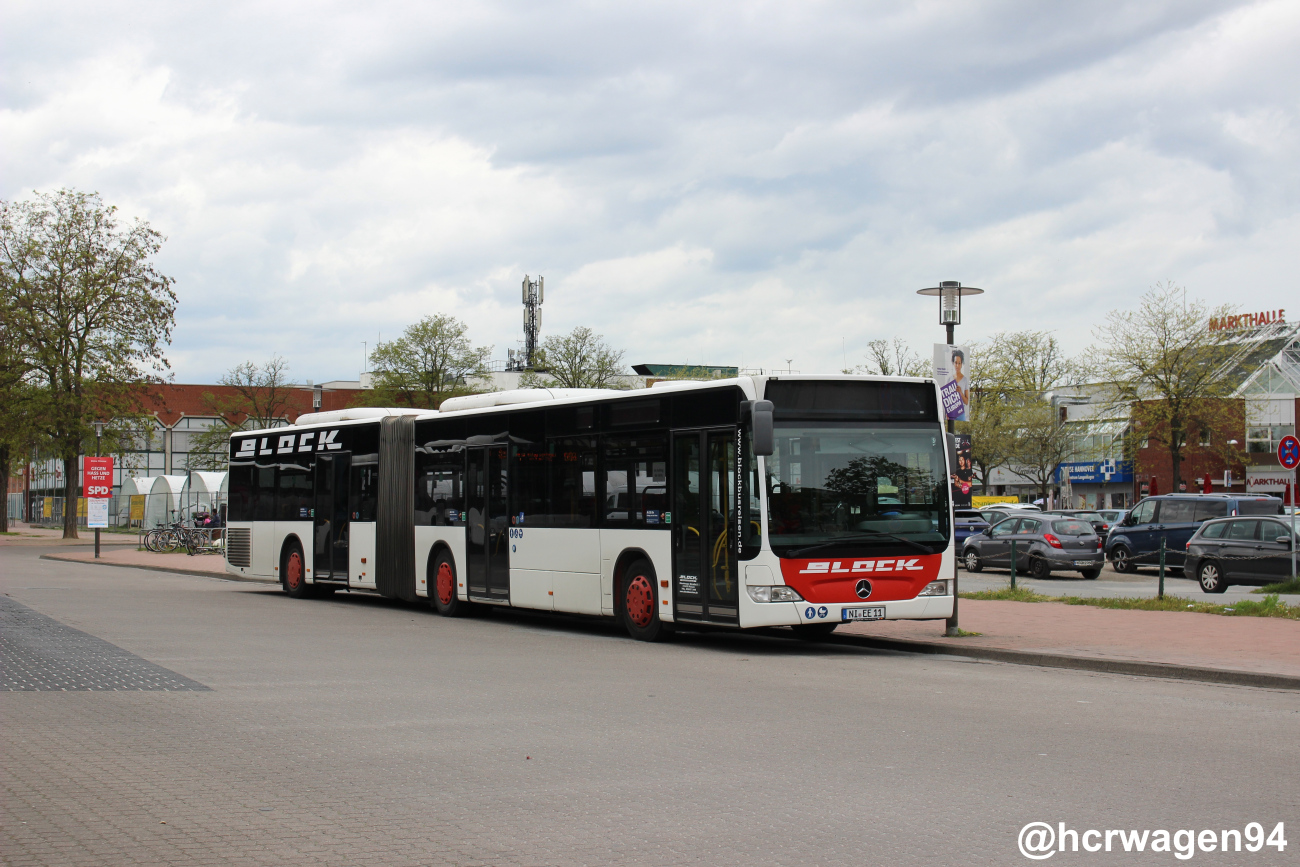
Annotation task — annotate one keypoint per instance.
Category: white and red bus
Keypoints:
(758, 501)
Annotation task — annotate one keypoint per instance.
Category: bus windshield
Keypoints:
(872, 486)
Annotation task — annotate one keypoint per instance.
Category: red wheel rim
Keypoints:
(640, 601)
(293, 571)
(446, 583)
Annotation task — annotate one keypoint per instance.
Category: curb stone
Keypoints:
(1081, 663)
(220, 576)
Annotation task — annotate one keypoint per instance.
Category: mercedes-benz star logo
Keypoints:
(863, 589)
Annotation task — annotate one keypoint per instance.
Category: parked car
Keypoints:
(1002, 511)
(1240, 551)
(1044, 544)
(1099, 523)
(1174, 518)
(1113, 516)
(966, 522)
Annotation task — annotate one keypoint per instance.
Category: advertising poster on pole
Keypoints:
(963, 474)
(97, 484)
(953, 377)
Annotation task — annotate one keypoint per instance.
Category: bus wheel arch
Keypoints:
(293, 568)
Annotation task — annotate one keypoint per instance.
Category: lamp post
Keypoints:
(99, 434)
(950, 293)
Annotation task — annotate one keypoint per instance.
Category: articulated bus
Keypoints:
(750, 502)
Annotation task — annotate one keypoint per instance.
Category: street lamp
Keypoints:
(950, 293)
(99, 435)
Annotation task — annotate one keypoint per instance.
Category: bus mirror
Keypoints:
(759, 414)
(952, 452)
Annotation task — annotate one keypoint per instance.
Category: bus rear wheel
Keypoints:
(640, 603)
(442, 587)
(293, 572)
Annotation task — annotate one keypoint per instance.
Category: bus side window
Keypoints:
(293, 497)
(440, 488)
(241, 494)
(263, 493)
(529, 479)
(364, 493)
(571, 501)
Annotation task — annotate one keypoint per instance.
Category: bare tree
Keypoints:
(892, 358)
(432, 361)
(579, 359)
(91, 313)
(1166, 367)
(1039, 443)
(256, 396)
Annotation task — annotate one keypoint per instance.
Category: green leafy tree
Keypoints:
(1013, 374)
(432, 361)
(579, 359)
(256, 396)
(16, 399)
(91, 313)
(1172, 374)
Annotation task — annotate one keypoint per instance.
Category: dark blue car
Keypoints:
(967, 523)
(1135, 541)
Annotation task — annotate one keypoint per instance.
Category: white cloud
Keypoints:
(724, 183)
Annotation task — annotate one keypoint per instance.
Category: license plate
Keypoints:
(864, 614)
(1086, 563)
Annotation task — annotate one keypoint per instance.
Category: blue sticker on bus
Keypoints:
(821, 612)
(810, 613)
(652, 516)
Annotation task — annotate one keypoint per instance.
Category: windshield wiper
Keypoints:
(799, 552)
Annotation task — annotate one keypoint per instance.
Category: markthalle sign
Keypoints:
(1242, 321)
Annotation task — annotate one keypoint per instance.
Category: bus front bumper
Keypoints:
(921, 608)
(795, 613)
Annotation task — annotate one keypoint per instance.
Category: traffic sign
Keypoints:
(1288, 452)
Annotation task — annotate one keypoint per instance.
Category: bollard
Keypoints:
(1162, 570)
(1013, 565)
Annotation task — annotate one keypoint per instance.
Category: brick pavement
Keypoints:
(360, 730)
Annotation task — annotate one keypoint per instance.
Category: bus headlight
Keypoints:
(773, 594)
(935, 588)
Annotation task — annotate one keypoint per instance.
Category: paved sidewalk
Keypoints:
(199, 564)
(1262, 645)
(26, 534)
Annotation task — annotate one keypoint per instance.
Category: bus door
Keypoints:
(704, 549)
(330, 516)
(487, 539)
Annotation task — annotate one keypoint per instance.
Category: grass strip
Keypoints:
(1006, 594)
(1290, 585)
(1269, 606)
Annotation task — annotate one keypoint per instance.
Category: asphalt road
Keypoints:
(186, 720)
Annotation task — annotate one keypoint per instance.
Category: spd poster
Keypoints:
(953, 377)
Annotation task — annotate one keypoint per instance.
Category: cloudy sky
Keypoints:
(723, 183)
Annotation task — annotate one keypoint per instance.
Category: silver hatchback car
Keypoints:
(1044, 544)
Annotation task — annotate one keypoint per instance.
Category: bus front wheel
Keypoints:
(640, 603)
